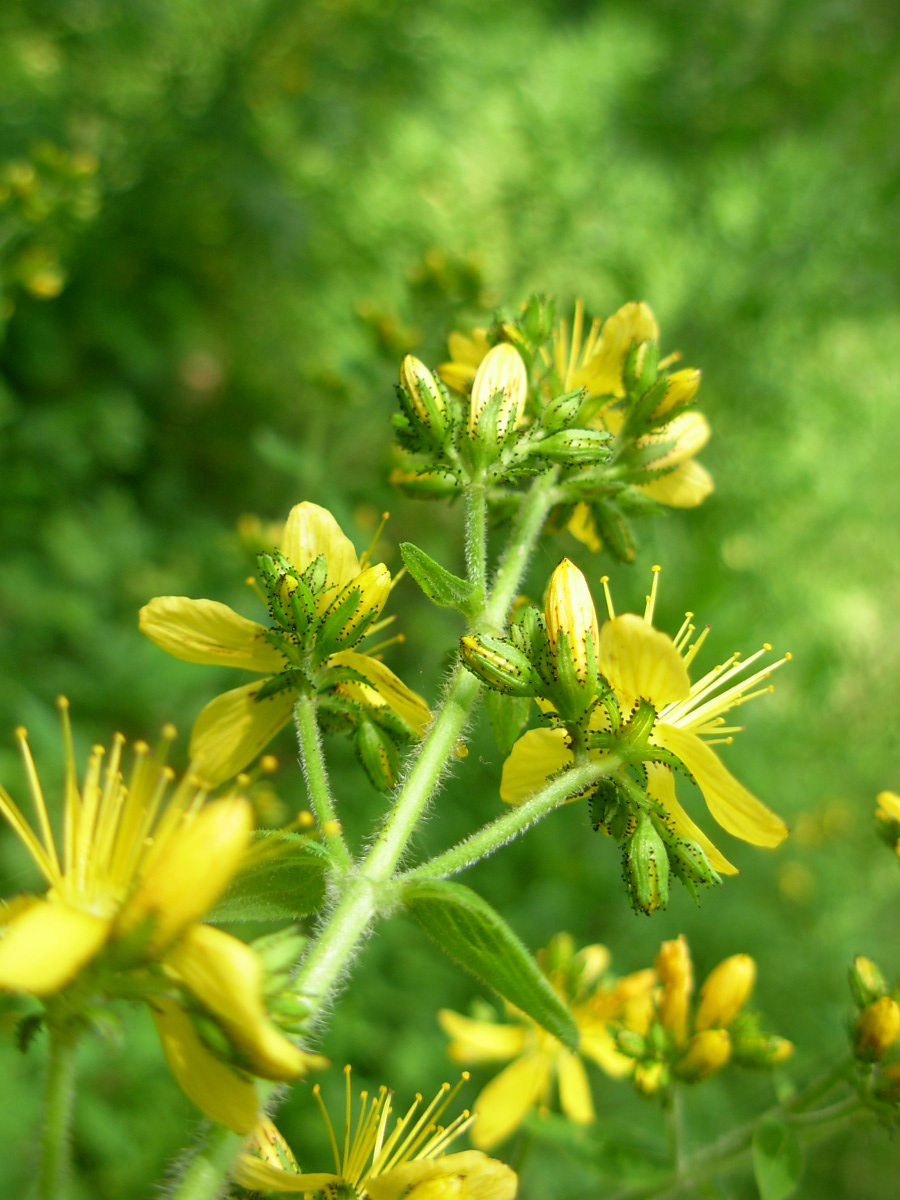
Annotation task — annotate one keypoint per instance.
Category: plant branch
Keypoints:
(316, 774)
(59, 1104)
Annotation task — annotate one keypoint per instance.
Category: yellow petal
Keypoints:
(685, 487)
(403, 700)
(469, 1175)
(889, 803)
(633, 323)
(311, 531)
(226, 976)
(480, 1041)
(234, 728)
(46, 944)
(213, 1086)
(640, 661)
(191, 871)
(597, 1044)
(689, 432)
(661, 786)
(537, 754)
(582, 527)
(574, 1089)
(204, 631)
(736, 809)
(255, 1175)
(502, 1105)
(725, 991)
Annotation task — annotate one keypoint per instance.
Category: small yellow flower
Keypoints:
(596, 363)
(707, 1052)
(676, 974)
(236, 726)
(141, 863)
(642, 663)
(466, 354)
(406, 1163)
(725, 991)
(877, 1028)
(536, 1058)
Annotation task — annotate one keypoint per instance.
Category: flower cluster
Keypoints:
(536, 1059)
(533, 394)
(141, 862)
(876, 1029)
(620, 693)
(378, 1163)
(674, 1039)
(322, 600)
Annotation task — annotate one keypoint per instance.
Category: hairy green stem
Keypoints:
(313, 762)
(59, 1104)
(206, 1175)
(476, 534)
(494, 835)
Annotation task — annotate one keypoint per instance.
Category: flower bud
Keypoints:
(673, 966)
(707, 1052)
(575, 447)
(425, 399)
(681, 388)
(866, 981)
(646, 868)
(877, 1028)
(500, 664)
(378, 755)
(561, 411)
(501, 370)
(724, 992)
(650, 1077)
(569, 609)
(761, 1050)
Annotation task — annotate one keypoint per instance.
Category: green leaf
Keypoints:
(777, 1159)
(285, 879)
(508, 716)
(439, 584)
(477, 937)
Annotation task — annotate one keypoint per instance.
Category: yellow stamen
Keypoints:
(37, 797)
(651, 599)
(366, 556)
(604, 579)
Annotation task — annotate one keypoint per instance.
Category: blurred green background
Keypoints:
(222, 222)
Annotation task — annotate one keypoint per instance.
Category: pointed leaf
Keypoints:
(439, 584)
(508, 716)
(477, 937)
(284, 879)
(777, 1159)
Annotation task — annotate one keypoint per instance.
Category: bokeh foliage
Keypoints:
(221, 224)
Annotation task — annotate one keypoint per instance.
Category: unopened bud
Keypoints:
(762, 1050)
(877, 1028)
(500, 664)
(569, 608)
(650, 1077)
(575, 447)
(866, 981)
(357, 605)
(630, 1043)
(681, 388)
(673, 966)
(425, 398)
(561, 411)
(378, 755)
(706, 1053)
(724, 992)
(501, 371)
(646, 868)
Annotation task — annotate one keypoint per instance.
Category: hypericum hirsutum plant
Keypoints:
(538, 425)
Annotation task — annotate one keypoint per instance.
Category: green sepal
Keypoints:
(777, 1159)
(500, 665)
(646, 867)
(573, 447)
(475, 936)
(440, 585)
(613, 530)
(27, 1029)
(508, 716)
(288, 881)
(378, 754)
(562, 410)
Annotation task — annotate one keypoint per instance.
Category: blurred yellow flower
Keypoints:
(406, 1163)
(536, 1058)
(641, 663)
(236, 726)
(140, 865)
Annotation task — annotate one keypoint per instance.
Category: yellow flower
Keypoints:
(466, 354)
(537, 1058)
(877, 1028)
(141, 862)
(642, 663)
(596, 363)
(725, 991)
(673, 966)
(406, 1163)
(292, 652)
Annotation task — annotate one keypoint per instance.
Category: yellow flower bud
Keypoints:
(673, 966)
(707, 1052)
(724, 992)
(569, 608)
(680, 389)
(888, 806)
(501, 370)
(877, 1028)
(650, 1077)
(373, 586)
(866, 981)
(425, 397)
